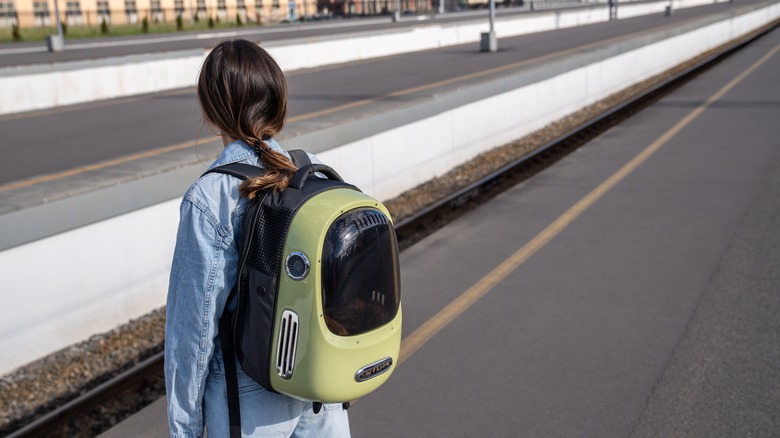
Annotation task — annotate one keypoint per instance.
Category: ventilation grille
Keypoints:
(369, 218)
(288, 343)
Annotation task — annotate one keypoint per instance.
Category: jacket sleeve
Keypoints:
(196, 297)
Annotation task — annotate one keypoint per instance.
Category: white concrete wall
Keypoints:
(29, 88)
(46, 89)
(60, 290)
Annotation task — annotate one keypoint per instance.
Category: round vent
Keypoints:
(297, 265)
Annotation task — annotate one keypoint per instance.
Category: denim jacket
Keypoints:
(203, 273)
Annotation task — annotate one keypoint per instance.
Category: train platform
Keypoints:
(329, 107)
(36, 53)
(19, 54)
(628, 290)
(100, 70)
(118, 168)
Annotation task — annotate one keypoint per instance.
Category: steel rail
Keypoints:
(478, 191)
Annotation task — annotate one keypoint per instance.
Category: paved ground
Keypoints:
(84, 134)
(651, 307)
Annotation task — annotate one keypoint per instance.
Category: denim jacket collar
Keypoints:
(238, 150)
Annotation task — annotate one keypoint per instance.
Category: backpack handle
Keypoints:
(304, 172)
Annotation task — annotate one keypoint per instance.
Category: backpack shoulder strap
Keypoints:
(238, 170)
(245, 171)
(299, 157)
(231, 376)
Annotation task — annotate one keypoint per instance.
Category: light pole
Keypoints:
(397, 12)
(56, 43)
(488, 42)
(441, 7)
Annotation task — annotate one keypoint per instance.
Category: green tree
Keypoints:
(238, 20)
(179, 22)
(15, 33)
(145, 25)
(103, 26)
(211, 23)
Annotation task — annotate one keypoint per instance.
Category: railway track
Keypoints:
(412, 228)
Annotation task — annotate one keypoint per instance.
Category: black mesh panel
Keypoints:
(360, 279)
(268, 241)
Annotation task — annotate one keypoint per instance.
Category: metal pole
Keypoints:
(488, 42)
(397, 12)
(441, 7)
(492, 6)
(60, 34)
(56, 43)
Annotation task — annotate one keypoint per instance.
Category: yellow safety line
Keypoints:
(91, 105)
(430, 328)
(101, 165)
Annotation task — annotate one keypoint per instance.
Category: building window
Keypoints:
(201, 6)
(178, 6)
(275, 4)
(41, 9)
(156, 8)
(7, 10)
(102, 9)
(73, 9)
(221, 5)
(241, 6)
(130, 7)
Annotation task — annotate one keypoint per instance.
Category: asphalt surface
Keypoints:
(585, 338)
(653, 312)
(80, 135)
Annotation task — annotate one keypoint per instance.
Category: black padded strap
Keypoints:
(245, 171)
(299, 157)
(231, 376)
(239, 170)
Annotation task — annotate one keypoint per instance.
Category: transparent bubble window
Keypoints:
(360, 279)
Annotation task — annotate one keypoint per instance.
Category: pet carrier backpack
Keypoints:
(318, 313)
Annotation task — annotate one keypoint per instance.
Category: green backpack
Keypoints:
(318, 313)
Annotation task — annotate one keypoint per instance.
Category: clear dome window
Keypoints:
(360, 278)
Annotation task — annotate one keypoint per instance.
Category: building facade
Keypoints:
(37, 13)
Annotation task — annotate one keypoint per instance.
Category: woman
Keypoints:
(243, 94)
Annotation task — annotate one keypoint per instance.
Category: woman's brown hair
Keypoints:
(243, 93)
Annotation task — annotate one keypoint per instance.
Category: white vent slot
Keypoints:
(288, 343)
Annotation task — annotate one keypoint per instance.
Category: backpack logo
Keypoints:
(373, 370)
